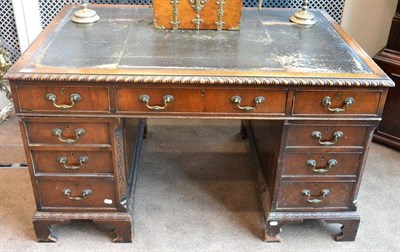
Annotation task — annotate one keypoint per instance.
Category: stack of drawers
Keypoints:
(77, 163)
(319, 155)
(323, 160)
(320, 175)
(73, 163)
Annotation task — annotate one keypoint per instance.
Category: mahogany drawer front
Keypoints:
(327, 135)
(318, 163)
(202, 100)
(317, 103)
(73, 162)
(183, 100)
(222, 100)
(75, 99)
(78, 132)
(295, 195)
(82, 193)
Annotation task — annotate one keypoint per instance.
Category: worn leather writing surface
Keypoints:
(124, 38)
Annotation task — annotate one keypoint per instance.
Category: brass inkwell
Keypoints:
(85, 15)
(303, 17)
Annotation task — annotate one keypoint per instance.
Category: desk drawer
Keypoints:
(246, 101)
(165, 100)
(65, 99)
(295, 195)
(344, 102)
(68, 133)
(333, 135)
(317, 163)
(79, 193)
(211, 100)
(72, 162)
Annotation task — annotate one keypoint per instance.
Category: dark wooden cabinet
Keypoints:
(388, 132)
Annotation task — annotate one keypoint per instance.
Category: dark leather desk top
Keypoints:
(124, 42)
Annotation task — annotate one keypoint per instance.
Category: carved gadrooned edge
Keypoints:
(146, 79)
(120, 163)
(278, 216)
(138, 149)
(82, 216)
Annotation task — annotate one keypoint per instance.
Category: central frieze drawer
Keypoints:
(144, 100)
(77, 193)
(68, 133)
(321, 163)
(63, 99)
(315, 195)
(327, 135)
(246, 101)
(336, 102)
(211, 100)
(72, 162)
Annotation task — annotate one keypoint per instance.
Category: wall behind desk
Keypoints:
(368, 22)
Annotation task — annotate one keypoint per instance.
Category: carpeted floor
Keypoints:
(196, 191)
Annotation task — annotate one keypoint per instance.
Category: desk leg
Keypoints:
(348, 230)
(43, 227)
(349, 220)
(121, 222)
(273, 229)
(122, 229)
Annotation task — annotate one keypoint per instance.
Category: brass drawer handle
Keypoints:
(346, 104)
(324, 193)
(237, 100)
(73, 97)
(336, 136)
(82, 161)
(166, 99)
(85, 193)
(313, 164)
(58, 133)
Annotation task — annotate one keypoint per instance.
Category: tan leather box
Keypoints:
(197, 14)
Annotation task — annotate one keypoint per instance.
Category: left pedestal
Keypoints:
(82, 169)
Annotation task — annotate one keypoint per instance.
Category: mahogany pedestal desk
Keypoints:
(309, 99)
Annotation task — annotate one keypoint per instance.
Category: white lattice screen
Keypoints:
(8, 29)
(49, 8)
(333, 7)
